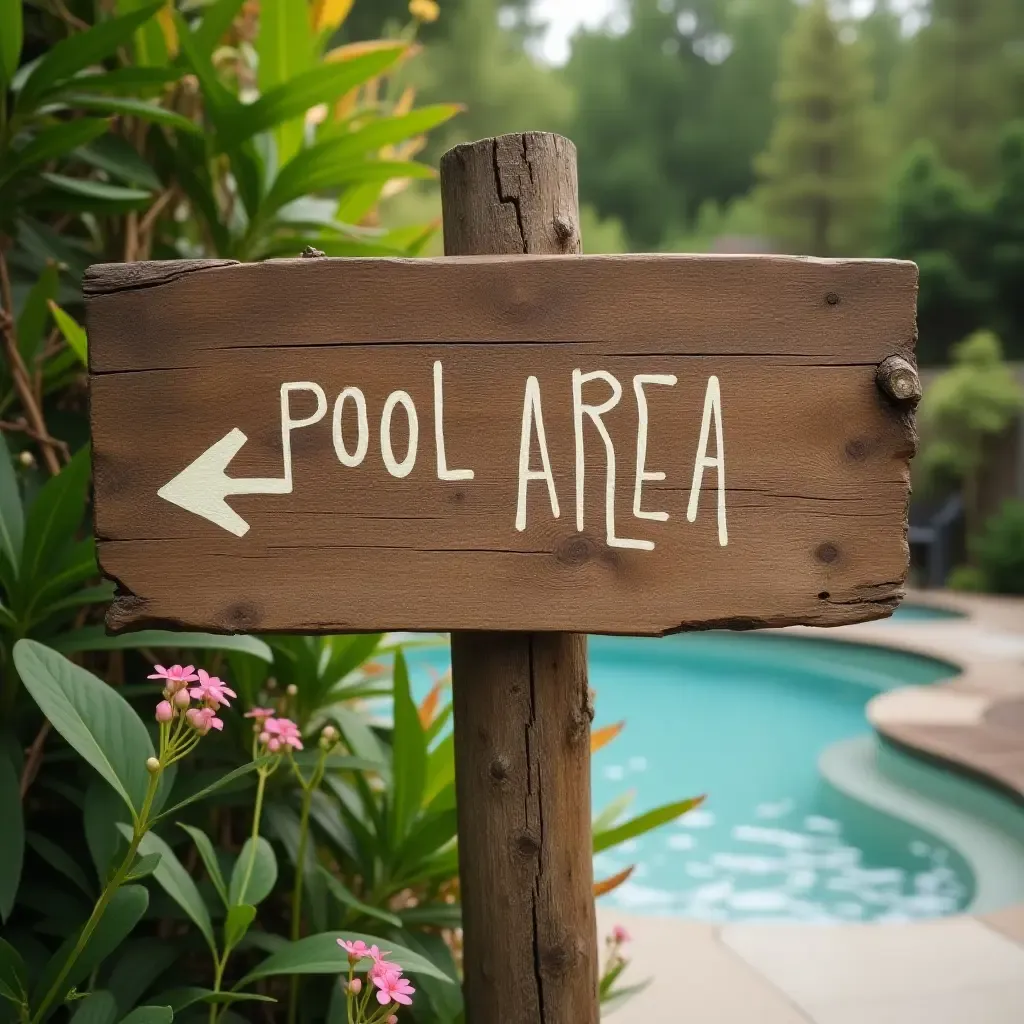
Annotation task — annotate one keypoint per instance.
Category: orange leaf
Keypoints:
(602, 737)
(404, 102)
(428, 709)
(350, 50)
(165, 19)
(601, 888)
(329, 14)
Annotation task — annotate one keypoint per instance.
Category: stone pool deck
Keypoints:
(966, 969)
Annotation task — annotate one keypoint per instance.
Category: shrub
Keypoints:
(999, 550)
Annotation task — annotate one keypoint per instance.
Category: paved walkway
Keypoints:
(955, 970)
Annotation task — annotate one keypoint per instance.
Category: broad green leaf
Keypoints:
(149, 43)
(55, 141)
(138, 966)
(355, 203)
(12, 836)
(133, 81)
(217, 19)
(81, 50)
(143, 867)
(73, 333)
(149, 1015)
(322, 84)
(60, 860)
(209, 856)
(408, 756)
(10, 40)
(76, 566)
(102, 593)
(339, 891)
(613, 811)
(12, 523)
(643, 823)
(102, 813)
(284, 48)
(178, 884)
(54, 517)
(97, 1008)
(87, 194)
(621, 996)
(119, 158)
(35, 315)
(254, 874)
(94, 719)
(239, 917)
(431, 833)
(128, 107)
(325, 171)
(221, 105)
(123, 913)
(182, 998)
(358, 736)
(13, 978)
(206, 791)
(94, 638)
(321, 954)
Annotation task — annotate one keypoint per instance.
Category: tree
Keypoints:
(819, 172)
(963, 82)
(1007, 250)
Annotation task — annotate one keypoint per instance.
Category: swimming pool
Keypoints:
(744, 718)
(923, 613)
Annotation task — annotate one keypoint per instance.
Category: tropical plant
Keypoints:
(999, 550)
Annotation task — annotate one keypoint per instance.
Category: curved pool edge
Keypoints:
(984, 828)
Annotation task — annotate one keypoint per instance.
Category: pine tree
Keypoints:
(963, 82)
(819, 173)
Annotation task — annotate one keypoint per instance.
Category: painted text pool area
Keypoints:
(744, 719)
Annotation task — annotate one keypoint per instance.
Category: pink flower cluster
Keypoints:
(385, 976)
(275, 734)
(211, 694)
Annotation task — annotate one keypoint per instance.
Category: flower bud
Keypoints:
(330, 733)
(27, 459)
(292, 690)
(152, 765)
(355, 986)
(392, 1019)
(264, 737)
(274, 744)
(164, 711)
(181, 699)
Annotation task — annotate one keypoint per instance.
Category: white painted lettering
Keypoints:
(712, 407)
(595, 412)
(395, 468)
(362, 428)
(443, 472)
(667, 379)
(532, 415)
(288, 424)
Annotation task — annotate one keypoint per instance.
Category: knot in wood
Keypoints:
(527, 845)
(565, 231)
(827, 553)
(500, 768)
(898, 380)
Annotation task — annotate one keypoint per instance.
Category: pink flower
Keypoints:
(620, 935)
(174, 677)
(260, 714)
(212, 690)
(164, 711)
(285, 731)
(355, 986)
(392, 1019)
(393, 988)
(203, 720)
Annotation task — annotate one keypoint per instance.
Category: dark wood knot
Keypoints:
(827, 553)
(500, 768)
(242, 617)
(565, 231)
(833, 299)
(897, 379)
(527, 844)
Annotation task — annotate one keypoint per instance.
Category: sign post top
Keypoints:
(617, 444)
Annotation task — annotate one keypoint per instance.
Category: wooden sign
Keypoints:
(629, 444)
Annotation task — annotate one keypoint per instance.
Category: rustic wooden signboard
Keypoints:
(628, 444)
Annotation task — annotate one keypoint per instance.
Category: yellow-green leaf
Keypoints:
(73, 332)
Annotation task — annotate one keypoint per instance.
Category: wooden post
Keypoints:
(522, 704)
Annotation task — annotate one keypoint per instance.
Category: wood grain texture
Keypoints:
(521, 700)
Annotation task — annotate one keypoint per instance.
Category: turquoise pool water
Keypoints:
(744, 718)
(923, 613)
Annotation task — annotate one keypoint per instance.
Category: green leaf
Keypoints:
(408, 756)
(35, 315)
(10, 40)
(93, 195)
(97, 1008)
(73, 332)
(12, 522)
(54, 517)
(346, 898)
(119, 158)
(284, 48)
(54, 141)
(206, 791)
(221, 106)
(217, 19)
(149, 1015)
(128, 107)
(643, 823)
(102, 593)
(94, 638)
(150, 45)
(138, 966)
(77, 564)
(321, 954)
(94, 719)
(13, 978)
(322, 84)
(182, 998)
(81, 50)
(239, 917)
(170, 873)
(133, 81)
(60, 860)
(123, 913)
(612, 812)
(143, 867)
(209, 856)
(102, 813)
(262, 874)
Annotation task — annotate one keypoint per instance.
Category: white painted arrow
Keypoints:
(203, 484)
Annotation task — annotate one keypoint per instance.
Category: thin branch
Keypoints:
(34, 758)
(20, 426)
